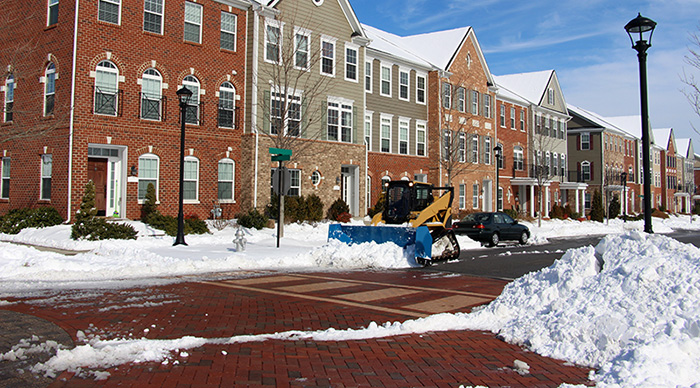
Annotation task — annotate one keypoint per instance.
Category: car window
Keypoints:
(507, 219)
(497, 219)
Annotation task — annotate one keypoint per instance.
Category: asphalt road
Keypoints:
(510, 261)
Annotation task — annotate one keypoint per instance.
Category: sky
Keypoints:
(584, 41)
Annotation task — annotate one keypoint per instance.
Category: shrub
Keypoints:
(17, 219)
(149, 206)
(696, 208)
(557, 212)
(88, 226)
(569, 212)
(597, 213)
(659, 213)
(512, 213)
(337, 208)
(614, 207)
(344, 217)
(252, 219)
(294, 209)
(168, 224)
(314, 208)
(195, 225)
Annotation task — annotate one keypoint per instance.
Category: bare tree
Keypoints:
(692, 93)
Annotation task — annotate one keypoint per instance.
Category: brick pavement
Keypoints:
(269, 302)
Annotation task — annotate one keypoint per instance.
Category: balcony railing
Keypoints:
(153, 108)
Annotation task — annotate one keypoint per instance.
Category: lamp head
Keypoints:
(641, 29)
(184, 95)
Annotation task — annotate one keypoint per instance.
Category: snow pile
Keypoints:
(637, 318)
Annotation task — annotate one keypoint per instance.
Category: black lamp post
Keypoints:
(642, 27)
(623, 177)
(184, 95)
(497, 150)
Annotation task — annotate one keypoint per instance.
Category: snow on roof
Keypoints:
(630, 124)
(530, 86)
(392, 44)
(597, 119)
(437, 47)
(507, 94)
(662, 136)
(683, 146)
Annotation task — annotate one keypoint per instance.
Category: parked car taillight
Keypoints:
(479, 226)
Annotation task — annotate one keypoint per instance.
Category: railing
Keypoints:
(153, 108)
(106, 102)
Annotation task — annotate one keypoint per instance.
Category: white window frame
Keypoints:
(225, 89)
(226, 179)
(194, 85)
(150, 7)
(368, 76)
(9, 89)
(325, 55)
(188, 178)
(502, 116)
(475, 195)
(518, 158)
(462, 147)
(368, 129)
(404, 87)
(522, 120)
(272, 24)
(446, 95)
(475, 102)
(50, 76)
(585, 171)
(5, 179)
(487, 106)
(487, 150)
(46, 167)
(421, 91)
(107, 67)
(294, 182)
(385, 80)
(198, 23)
(550, 96)
(461, 96)
(344, 118)
(475, 149)
(305, 35)
(349, 65)
(385, 128)
(118, 3)
(51, 10)
(147, 178)
(404, 124)
(421, 127)
(285, 102)
(147, 77)
(512, 117)
(228, 31)
(587, 142)
(462, 196)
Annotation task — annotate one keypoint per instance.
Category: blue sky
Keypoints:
(584, 41)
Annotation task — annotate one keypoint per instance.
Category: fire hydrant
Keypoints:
(240, 240)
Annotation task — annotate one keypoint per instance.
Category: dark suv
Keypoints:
(491, 228)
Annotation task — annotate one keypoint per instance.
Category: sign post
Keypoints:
(280, 155)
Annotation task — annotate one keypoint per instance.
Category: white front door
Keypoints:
(350, 188)
(488, 196)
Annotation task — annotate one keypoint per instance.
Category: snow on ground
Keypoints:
(629, 307)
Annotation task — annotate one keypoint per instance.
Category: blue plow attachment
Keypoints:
(401, 236)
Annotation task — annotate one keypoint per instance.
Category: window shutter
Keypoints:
(482, 151)
(590, 142)
(354, 126)
(592, 171)
(578, 168)
(266, 115)
(578, 142)
(482, 104)
(455, 93)
(468, 101)
(324, 120)
(302, 115)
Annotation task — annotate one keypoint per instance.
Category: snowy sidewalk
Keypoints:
(277, 303)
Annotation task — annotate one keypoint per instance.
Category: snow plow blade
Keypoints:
(418, 238)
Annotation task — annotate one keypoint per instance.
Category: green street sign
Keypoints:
(280, 158)
(280, 151)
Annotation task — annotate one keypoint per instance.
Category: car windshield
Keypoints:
(476, 217)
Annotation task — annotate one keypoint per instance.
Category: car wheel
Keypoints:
(524, 237)
(495, 239)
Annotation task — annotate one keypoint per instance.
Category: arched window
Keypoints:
(151, 95)
(227, 169)
(106, 89)
(192, 110)
(148, 173)
(227, 105)
(191, 179)
(585, 171)
(9, 97)
(49, 89)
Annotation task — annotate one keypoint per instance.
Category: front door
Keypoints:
(488, 196)
(349, 188)
(97, 173)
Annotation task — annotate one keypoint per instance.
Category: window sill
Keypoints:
(223, 50)
(153, 34)
(191, 201)
(227, 201)
(51, 27)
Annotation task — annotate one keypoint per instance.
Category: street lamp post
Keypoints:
(184, 95)
(641, 26)
(497, 151)
(623, 177)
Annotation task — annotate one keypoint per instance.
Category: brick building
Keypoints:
(100, 79)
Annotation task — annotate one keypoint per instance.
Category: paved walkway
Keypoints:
(263, 303)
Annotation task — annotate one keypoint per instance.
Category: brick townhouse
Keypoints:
(90, 94)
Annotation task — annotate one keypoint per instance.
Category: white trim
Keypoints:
(425, 88)
(334, 58)
(200, 24)
(356, 48)
(403, 70)
(382, 66)
(390, 118)
(306, 33)
(269, 22)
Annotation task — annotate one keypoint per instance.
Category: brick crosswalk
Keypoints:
(263, 303)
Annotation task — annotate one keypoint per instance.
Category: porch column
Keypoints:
(532, 201)
(577, 201)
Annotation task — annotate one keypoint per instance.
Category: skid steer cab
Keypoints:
(419, 214)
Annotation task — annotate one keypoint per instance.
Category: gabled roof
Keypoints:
(629, 124)
(596, 120)
(531, 86)
(344, 4)
(684, 147)
(393, 45)
(663, 137)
